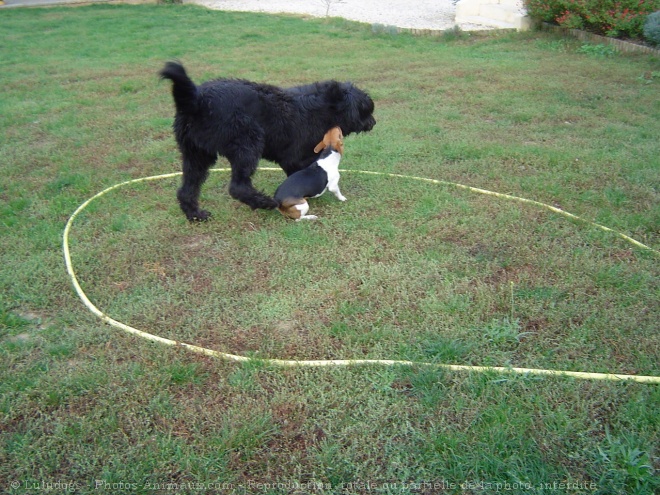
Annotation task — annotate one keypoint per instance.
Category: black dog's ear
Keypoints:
(336, 92)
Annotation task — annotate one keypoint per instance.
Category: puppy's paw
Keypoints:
(341, 198)
(307, 217)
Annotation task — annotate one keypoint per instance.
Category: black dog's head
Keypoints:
(353, 107)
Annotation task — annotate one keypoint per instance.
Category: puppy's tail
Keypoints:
(184, 91)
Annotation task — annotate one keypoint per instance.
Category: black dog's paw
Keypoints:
(246, 193)
(264, 203)
(200, 216)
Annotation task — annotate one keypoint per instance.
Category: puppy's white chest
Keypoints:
(331, 166)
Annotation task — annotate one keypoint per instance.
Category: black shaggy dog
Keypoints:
(246, 121)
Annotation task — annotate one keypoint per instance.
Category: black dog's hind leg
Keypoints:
(243, 165)
(196, 165)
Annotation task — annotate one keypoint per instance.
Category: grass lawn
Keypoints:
(404, 270)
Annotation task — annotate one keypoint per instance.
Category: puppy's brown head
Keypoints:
(335, 138)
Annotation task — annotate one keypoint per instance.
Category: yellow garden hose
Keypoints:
(348, 362)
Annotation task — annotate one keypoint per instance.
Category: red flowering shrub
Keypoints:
(616, 18)
(570, 20)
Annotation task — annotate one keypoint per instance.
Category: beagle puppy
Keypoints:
(313, 181)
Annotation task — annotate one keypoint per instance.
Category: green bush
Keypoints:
(652, 28)
(615, 18)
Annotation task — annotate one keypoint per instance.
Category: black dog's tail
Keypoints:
(184, 91)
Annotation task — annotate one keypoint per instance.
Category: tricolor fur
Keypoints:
(314, 180)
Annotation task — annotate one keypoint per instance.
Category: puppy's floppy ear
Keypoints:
(319, 147)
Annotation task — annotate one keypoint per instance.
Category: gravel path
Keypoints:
(420, 14)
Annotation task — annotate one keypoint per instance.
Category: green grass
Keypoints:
(403, 270)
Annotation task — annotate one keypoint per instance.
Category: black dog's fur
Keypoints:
(246, 121)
